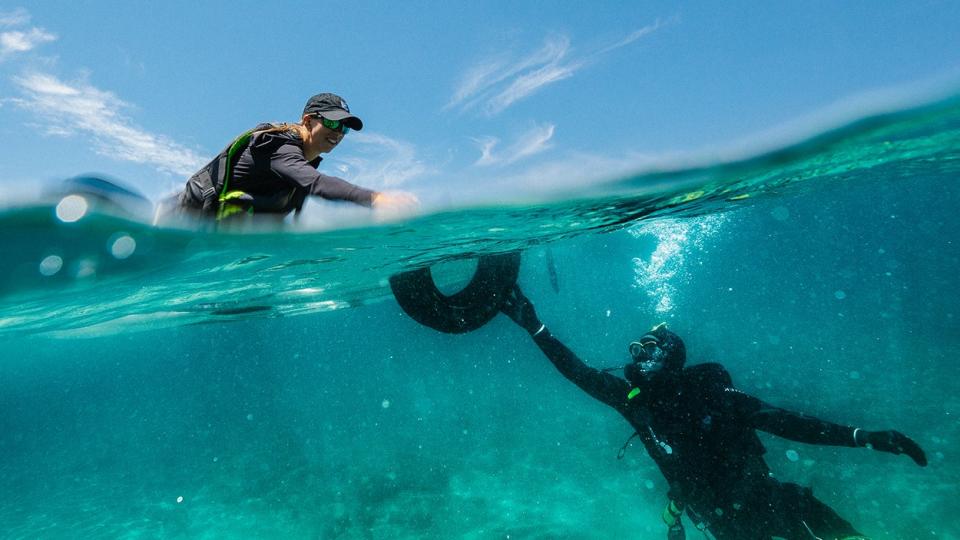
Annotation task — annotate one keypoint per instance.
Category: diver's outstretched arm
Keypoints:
(604, 387)
(808, 429)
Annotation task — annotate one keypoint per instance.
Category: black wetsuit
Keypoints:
(700, 431)
(273, 172)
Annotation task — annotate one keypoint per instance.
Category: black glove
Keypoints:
(893, 442)
(516, 306)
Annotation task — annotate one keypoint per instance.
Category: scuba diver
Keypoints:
(272, 168)
(701, 432)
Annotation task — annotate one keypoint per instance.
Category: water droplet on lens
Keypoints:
(86, 268)
(50, 265)
(71, 208)
(122, 245)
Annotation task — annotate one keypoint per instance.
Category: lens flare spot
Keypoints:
(122, 245)
(72, 208)
(86, 268)
(50, 265)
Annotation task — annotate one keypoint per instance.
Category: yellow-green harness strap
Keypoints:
(225, 194)
(671, 514)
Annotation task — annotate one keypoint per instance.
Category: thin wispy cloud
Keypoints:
(69, 109)
(639, 33)
(493, 85)
(527, 84)
(480, 81)
(16, 17)
(16, 41)
(382, 162)
(532, 142)
(20, 40)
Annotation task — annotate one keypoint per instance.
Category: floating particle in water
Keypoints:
(122, 245)
(648, 484)
(215, 459)
(854, 375)
(780, 213)
(180, 499)
(86, 268)
(608, 313)
(50, 265)
(939, 456)
(385, 404)
(839, 295)
(792, 455)
(72, 208)
(250, 417)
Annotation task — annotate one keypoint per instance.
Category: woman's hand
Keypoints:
(395, 200)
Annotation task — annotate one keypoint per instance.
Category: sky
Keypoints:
(459, 100)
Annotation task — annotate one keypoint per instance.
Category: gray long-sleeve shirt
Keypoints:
(273, 169)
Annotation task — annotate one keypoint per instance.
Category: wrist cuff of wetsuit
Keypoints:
(539, 331)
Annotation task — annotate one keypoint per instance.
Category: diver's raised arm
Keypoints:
(602, 386)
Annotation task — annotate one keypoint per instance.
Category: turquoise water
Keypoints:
(181, 384)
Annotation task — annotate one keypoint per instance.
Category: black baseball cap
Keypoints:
(332, 107)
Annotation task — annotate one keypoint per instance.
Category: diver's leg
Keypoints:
(819, 520)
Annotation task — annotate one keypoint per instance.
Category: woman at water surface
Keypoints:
(272, 168)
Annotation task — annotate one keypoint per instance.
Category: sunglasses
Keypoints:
(637, 348)
(334, 125)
